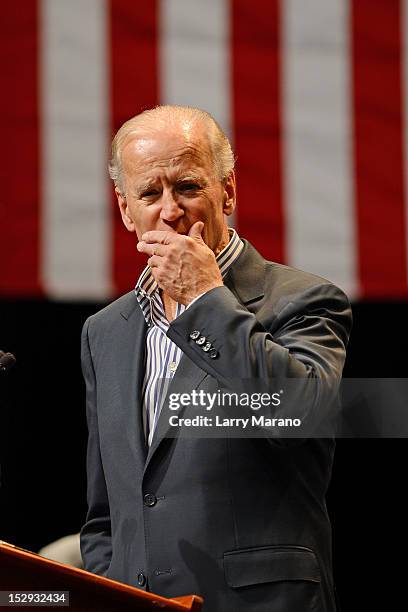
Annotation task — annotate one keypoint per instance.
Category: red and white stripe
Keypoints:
(317, 127)
(75, 237)
(314, 99)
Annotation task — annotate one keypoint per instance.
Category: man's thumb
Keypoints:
(196, 229)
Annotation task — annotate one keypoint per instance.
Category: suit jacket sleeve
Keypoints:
(306, 339)
(96, 546)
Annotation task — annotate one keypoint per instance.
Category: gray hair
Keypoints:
(163, 117)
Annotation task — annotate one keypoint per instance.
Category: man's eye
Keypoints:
(188, 187)
(150, 193)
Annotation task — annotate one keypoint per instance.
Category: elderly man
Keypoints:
(239, 521)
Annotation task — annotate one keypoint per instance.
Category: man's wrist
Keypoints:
(197, 297)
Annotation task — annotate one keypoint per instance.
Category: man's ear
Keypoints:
(229, 194)
(124, 211)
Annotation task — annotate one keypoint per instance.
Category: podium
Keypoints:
(24, 571)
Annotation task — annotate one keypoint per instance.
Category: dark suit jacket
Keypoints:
(242, 522)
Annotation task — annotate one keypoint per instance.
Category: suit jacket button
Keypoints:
(207, 347)
(141, 579)
(201, 340)
(149, 499)
(195, 334)
(213, 353)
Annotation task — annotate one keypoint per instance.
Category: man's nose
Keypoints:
(170, 209)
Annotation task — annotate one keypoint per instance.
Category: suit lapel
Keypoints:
(132, 348)
(187, 377)
(246, 277)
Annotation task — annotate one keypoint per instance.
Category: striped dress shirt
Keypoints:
(162, 356)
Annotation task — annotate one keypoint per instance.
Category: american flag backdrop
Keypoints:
(313, 94)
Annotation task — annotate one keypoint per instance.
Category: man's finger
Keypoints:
(151, 249)
(196, 229)
(159, 236)
(154, 261)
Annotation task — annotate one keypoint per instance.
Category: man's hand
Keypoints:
(183, 266)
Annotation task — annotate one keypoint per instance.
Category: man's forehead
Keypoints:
(166, 147)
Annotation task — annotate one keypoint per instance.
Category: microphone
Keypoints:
(7, 360)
